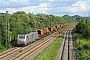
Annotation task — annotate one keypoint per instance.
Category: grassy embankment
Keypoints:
(2, 48)
(83, 47)
(50, 52)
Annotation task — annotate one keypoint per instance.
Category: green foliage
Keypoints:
(83, 29)
(82, 36)
(76, 36)
(2, 34)
(2, 48)
(84, 49)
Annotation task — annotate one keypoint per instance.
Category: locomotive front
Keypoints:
(21, 40)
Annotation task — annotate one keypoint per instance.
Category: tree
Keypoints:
(82, 28)
(2, 34)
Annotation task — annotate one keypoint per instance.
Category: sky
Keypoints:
(55, 7)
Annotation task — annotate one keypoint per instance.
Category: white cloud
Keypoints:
(79, 6)
(14, 4)
(18, 0)
(57, 7)
(35, 9)
(11, 10)
(51, 0)
(42, 8)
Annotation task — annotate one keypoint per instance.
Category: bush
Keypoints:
(82, 28)
(84, 49)
(2, 48)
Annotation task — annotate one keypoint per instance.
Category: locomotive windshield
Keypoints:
(21, 36)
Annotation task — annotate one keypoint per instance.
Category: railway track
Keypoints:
(7, 51)
(66, 50)
(17, 52)
(33, 50)
(71, 57)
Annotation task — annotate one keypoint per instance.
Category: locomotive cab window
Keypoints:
(21, 36)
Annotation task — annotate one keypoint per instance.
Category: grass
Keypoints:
(2, 48)
(50, 52)
(73, 24)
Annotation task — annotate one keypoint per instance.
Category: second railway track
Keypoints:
(66, 50)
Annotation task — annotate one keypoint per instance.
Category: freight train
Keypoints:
(26, 38)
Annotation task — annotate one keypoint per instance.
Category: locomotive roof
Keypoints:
(28, 33)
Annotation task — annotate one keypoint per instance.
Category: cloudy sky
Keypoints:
(55, 7)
